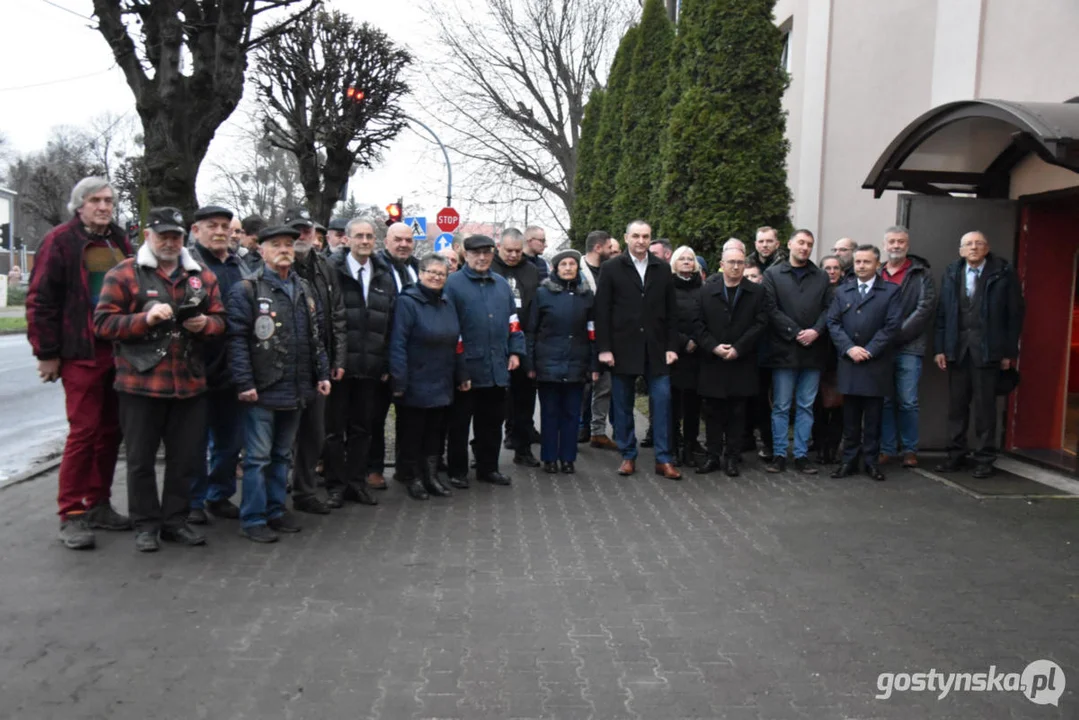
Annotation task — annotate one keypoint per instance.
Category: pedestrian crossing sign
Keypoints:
(418, 225)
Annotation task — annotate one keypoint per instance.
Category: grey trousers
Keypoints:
(601, 403)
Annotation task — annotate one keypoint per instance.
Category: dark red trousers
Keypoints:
(93, 439)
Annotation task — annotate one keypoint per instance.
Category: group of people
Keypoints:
(261, 342)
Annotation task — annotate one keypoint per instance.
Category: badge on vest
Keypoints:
(195, 282)
(264, 327)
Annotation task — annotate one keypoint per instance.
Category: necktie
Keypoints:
(863, 288)
(972, 281)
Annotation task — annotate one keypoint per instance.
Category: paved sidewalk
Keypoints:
(594, 596)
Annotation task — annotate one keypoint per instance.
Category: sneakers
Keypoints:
(103, 517)
(778, 464)
(75, 533)
(223, 509)
(259, 534)
(284, 524)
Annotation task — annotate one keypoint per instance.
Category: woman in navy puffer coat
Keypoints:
(561, 348)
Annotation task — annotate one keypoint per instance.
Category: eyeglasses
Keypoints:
(435, 273)
(734, 263)
(364, 236)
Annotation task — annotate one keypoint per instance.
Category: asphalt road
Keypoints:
(32, 421)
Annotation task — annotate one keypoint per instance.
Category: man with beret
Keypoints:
(336, 237)
(310, 265)
(493, 346)
(278, 362)
(212, 487)
(157, 308)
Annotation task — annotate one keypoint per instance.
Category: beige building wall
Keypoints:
(862, 70)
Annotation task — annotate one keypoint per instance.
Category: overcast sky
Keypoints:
(56, 72)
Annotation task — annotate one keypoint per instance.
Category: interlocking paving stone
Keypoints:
(591, 596)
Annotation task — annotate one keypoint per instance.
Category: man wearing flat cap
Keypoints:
(493, 346)
(336, 235)
(158, 308)
(310, 265)
(278, 367)
(213, 486)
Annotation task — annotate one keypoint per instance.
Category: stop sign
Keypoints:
(448, 219)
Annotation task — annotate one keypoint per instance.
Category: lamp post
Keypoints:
(446, 155)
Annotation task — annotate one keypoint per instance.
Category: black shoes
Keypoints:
(75, 533)
(874, 473)
(844, 470)
(709, 466)
(103, 517)
(568, 469)
(335, 499)
(223, 509)
(358, 493)
(146, 541)
(311, 505)
(803, 466)
(583, 435)
(550, 467)
(284, 524)
(197, 516)
(527, 459)
(493, 478)
(459, 482)
(778, 464)
(982, 471)
(730, 468)
(259, 534)
(182, 535)
(508, 443)
(429, 479)
(952, 464)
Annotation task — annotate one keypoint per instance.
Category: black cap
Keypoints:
(253, 224)
(165, 219)
(298, 217)
(210, 211)
(338, 223)
(478, 242)
(272, 232)
(319, 227)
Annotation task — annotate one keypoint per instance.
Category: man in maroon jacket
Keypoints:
(68, 272)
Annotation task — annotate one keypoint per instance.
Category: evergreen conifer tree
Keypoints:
(586, 168)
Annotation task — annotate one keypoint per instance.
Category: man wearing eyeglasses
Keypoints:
(979, 320)
(369, 294)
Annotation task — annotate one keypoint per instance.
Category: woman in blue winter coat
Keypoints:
(561, 349)
(425, 366)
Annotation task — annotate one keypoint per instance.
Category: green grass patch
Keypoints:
(10, 325)
(641, 403)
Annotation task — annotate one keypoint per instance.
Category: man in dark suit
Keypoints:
(862, 321)
(979, 320)
(729, 324)
(636, 336)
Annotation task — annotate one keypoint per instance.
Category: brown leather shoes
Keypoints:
(884, 459)
(668, 471)
(603, 442)
(628, 467)
(376, 481)
(910, 460)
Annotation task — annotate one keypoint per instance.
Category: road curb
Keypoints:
(42, 468)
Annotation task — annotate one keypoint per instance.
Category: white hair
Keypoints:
(684, 250)
(734, 243)
(84, 188)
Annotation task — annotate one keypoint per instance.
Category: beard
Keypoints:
(897, 256)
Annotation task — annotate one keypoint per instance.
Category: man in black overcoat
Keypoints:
(729, 325)
(863, 320)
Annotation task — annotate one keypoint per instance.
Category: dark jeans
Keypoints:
(520, 410)
(685, 417)
(725, 426)
(862, 415)
(659, 394)
(350, 420)
(376, 458)
(310, 438)
(759, 409)
(827, 428)
(223, 440)
(483, 409)
(268, 439)
(146, 422)
(969, 384)
(560, 415)
(422, 438)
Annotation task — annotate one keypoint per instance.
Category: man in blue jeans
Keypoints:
(797, 296)
(636, 336)
(917, 300)
(277, 363)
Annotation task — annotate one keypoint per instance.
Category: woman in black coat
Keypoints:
(730, 321)
(561, 343)
(685, 402)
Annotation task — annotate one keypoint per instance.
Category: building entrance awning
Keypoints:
(972, 146)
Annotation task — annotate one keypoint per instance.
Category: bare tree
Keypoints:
(258, 179)
(331, 90)
(184, 61)
(515, 80)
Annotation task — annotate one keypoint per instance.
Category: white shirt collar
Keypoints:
(354, 265)
(974, 268)
(868, 283)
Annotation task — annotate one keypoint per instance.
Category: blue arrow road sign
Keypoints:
(443, 241)
(418, 225)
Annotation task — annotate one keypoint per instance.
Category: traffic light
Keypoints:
(395, 211)
(354, 94)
